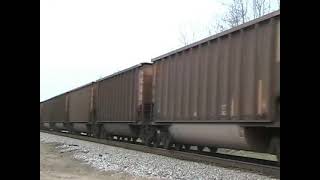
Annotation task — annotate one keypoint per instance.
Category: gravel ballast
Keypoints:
(109, 158)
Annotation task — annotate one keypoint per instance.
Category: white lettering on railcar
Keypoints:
(224, 110)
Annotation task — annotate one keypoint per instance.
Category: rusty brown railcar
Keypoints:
(124, 100)
(80, 103)
(224, 90)
(45, 114)
(41, 107)
(54, 112)
(41, 115)
(59, 112)
(220, 92)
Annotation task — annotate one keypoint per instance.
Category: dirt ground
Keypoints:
(55, 165)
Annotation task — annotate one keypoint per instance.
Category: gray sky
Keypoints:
(83, 40)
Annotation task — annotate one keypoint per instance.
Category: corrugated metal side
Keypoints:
(117, 97)
(58, 112)
(147, 83)
(234, 77)
(80, 104)
(46, 111)
(145, 92)
(41, 114)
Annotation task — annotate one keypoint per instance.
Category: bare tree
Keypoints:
(220, 26)
(236, 13)
(183, 38)
(239, 11)
(187, 35)
(257, 7)
(261, 7)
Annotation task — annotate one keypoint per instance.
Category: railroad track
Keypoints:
(269, 168)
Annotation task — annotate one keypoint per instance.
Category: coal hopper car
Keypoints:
(223, 91)
(53, 113)
(81, 109)
(123, 102)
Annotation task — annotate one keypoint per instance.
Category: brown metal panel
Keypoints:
(58, 113)
(187, 86)
(162, 88)
(121, 97)
(110, 99)
(203, 60)
(147, 84)
(131, 97)
(113, 98)
(118, 96)
(156, 91)
(210, 77)
(107, 99)
(276, 58)
(155, 71)
(232, 76)
(184, 78)
(170, 81)
(45, 115)
(126, 96)
(236, 74)
(213, 81)
(224, 79)
(263, 68)
(104, 105)
(194, 83)
(41, 113)
(175, 92)
(167, 87)
(117, 91)
(172, 76)
(135, 96)
(179, 82)
(248, 75)
(101, 108)
(80, 104)
(146, 103)
(274, 14)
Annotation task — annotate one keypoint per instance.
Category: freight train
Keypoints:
(220, 92)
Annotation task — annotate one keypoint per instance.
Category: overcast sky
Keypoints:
(84, 40)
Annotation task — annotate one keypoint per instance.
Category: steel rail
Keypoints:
(228, 161)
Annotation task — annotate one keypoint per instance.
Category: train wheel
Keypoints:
(168, 142)
(177, 146)
(109, 138)
(134, 140)
(213, 149)
(102, 134)
(200, 148)
(157, 141)
(148, 141)
(95, 131)
(187, 147)
(275, 147)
